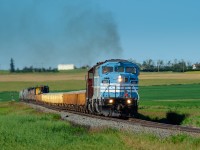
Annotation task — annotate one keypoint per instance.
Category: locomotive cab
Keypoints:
(112, 88)
(41, 90)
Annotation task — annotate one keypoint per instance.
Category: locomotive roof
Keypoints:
(110, 60)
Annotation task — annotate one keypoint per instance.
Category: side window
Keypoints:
(90, 75)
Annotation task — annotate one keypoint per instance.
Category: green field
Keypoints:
(24, 128)
(54, 85)
(157, 101)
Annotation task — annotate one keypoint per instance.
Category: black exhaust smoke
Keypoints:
(48, 32)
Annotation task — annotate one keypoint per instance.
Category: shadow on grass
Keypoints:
(172, 117)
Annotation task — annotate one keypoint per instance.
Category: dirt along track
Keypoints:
(133, 124)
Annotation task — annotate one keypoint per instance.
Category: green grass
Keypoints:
(150, 82)
(192, 72)
(156, 101)
(24, 128)
(4, 72)
(9, 96)
(170, 92)
(54, 85)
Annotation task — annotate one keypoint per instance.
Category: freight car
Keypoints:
(32, 93)
(111, 90)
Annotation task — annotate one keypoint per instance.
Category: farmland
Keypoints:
(159, 94)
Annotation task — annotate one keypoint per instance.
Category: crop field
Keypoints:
(160, 93)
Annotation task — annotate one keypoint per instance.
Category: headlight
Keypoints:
(119, 78)
(128, 101)
(110, 101)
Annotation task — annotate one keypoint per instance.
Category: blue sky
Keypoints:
(158, 29)
(45, 33)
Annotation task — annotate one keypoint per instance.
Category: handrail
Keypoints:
(131, 87)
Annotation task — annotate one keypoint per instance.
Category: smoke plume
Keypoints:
(46, 32)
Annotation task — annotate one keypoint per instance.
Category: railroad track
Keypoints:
(131, 121)
(165, 126)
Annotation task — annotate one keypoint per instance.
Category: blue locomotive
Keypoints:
(112, 88)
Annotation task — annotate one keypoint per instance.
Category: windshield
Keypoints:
(106, 69)
(119, 69)
(130, 70)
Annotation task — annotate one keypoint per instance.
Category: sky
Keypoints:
(45, 33)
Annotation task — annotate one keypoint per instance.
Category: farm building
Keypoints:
(196, 66)
(65, 66)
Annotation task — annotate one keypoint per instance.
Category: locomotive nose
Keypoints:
(120, 107)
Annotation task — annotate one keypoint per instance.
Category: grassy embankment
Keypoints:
(24, 128)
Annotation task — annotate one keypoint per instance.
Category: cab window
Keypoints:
(131, 70)
(107, 69)
(119, 69)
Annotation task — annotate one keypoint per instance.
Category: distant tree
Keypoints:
(160, 63)
(85, 67)
(168, 66)
(179, 66)
(12, 65)
(134, 61)
(148, 65)
(189, 66)
(17, 70)
(184, 66)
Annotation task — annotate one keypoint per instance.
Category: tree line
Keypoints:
(148, 65)
(30, 69)
(176, 65)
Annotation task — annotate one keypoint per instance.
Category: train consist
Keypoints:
(111, 90)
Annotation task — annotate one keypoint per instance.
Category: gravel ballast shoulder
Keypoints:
(93, 123)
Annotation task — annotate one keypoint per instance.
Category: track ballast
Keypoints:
(130, 121)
